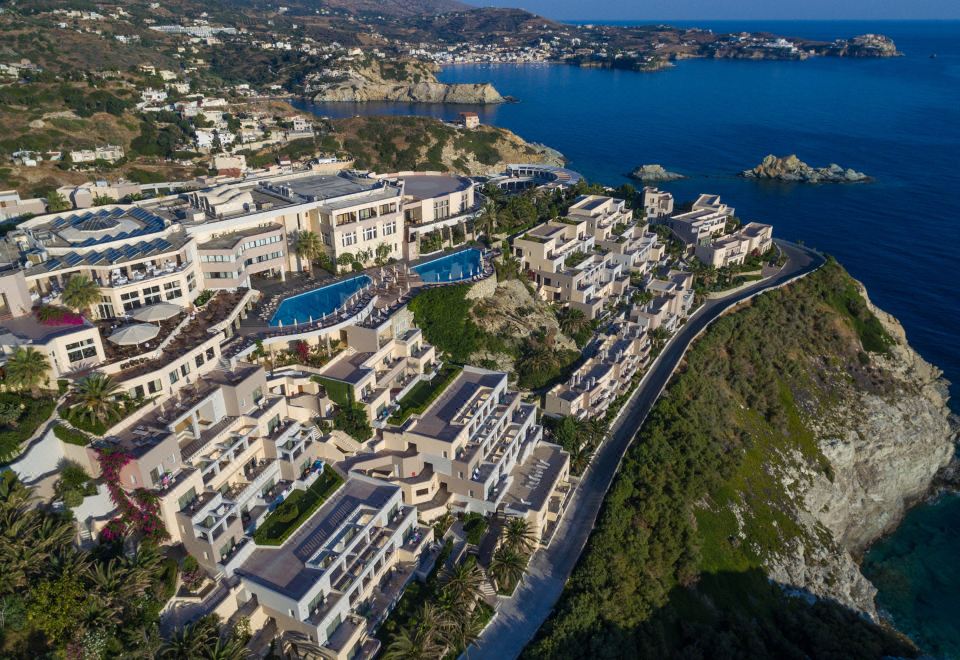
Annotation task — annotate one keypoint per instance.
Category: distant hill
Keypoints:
(378, 7)
(482, 24)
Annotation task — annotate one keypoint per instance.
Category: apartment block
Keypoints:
(604, 376)
(732, 249)
(706, 219)
(672, 301)
(475, 447)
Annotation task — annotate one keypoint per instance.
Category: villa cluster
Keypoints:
(307, 489)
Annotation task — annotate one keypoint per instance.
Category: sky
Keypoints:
(734, 9)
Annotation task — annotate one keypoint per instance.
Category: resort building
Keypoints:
(635, 248)
(622, 352)
(657, 203)
(707, 219)
(524, 176)
(354, 555)
(602, 215)
(469, 448)
(381, 363)
(733, 249)
(12, 206)
(671, 304)
(438, 211)
(563, 259)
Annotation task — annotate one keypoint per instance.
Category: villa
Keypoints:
(657, 203)
(671, 303)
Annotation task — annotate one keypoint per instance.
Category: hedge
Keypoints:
(71, 436)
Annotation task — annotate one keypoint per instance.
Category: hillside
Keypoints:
(772, 460)
(392, 144)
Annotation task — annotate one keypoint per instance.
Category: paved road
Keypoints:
(519, 617)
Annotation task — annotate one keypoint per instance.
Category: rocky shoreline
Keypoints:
(792, 169)
(654, 173)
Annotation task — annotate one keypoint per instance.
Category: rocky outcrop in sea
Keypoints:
(654, 173)
(791, 168)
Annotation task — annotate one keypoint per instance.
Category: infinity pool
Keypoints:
(317, 303)
(451, 268)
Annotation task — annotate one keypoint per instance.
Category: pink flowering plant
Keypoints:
(139, 511)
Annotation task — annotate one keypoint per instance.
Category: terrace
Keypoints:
(192, 335)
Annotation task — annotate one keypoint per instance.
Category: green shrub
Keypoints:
(36, 411)
(71, 436)
(275, 530)
(475, 525)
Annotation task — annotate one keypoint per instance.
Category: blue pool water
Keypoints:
(318, 302)
(898, 120)
(451, 268)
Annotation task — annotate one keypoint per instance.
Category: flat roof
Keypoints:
(284, 568)
(437, 420)
(324, 186)
(30, 329)
(428, 186)
(112, 255)
(534, 480)
(350, 369)
(228, 241)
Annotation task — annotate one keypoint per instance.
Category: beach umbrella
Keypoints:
(157, 312)
(132, 335)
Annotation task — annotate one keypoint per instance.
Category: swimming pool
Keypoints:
(317, 303)
(451, 268)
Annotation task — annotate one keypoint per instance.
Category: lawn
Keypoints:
(423, 394)
(299, 505)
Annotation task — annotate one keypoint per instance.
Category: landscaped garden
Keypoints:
(423, 394)
(20, 416)
(299, 505)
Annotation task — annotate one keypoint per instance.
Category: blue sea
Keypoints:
(898, 120)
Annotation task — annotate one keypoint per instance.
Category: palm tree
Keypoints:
(309, 246)
(411, 645)
(579, 457)
(81, 293)
(573, 321)
(462, 583)
(464, 630)
(56, 202)
(97, 398)
(227, 649)
(27, 368)
(507, 566)
(518, 536)
(192, 641)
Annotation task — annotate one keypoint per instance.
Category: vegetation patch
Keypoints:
(302, 504)
(674, 566)
(20, 417)
(423, 394)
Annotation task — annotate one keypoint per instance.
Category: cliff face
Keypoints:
(867, 430)
(410, 82)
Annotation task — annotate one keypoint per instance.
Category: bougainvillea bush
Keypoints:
(139, 510)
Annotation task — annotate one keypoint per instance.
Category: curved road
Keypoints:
(519, 617)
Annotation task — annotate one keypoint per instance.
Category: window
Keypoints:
(211, 353)
(366, 214)
(151, 295)
(81, 350)
(172, 290)
(259, 242)
(199, 360)
(174, 377)
(441, 209)
(217, 258)
(222, 275)
(191, 281)
(184, 369)
(348, 239)
(390, 228)
(154, 386)
(369, 233)
(262, 258)
(388, 208)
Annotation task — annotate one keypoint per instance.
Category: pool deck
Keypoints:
(391, 287)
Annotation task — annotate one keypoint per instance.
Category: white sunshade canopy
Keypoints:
(157, 312)
(131, 335)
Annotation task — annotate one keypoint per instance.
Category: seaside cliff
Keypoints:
(887, 435)
(799, 429)
(403, 81)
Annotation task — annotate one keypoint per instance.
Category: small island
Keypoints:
(790, 168)
(652, 173)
